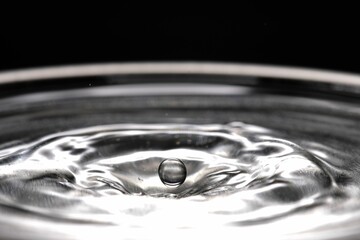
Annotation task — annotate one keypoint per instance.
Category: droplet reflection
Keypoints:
(172, 172)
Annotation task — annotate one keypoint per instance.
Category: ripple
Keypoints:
(257, 165)
(65, 175)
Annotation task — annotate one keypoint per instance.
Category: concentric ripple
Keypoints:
(248, 164)
(66, 175)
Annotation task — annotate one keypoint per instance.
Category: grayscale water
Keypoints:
(94, 163)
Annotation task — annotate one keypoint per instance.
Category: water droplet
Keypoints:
(172, 172)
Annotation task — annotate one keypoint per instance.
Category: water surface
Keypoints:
(135, 161)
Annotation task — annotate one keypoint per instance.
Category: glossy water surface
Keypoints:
(102, 162)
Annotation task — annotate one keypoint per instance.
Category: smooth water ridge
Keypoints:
(262, 165)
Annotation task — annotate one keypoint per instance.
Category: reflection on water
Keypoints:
(74, 164)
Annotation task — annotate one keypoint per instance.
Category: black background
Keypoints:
(324, 37)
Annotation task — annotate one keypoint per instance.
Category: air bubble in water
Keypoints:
(172, 172)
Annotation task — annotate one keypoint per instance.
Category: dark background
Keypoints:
(308, 36)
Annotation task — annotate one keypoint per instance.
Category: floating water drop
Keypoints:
(172, 172)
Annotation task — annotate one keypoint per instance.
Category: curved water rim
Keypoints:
(197, 68)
